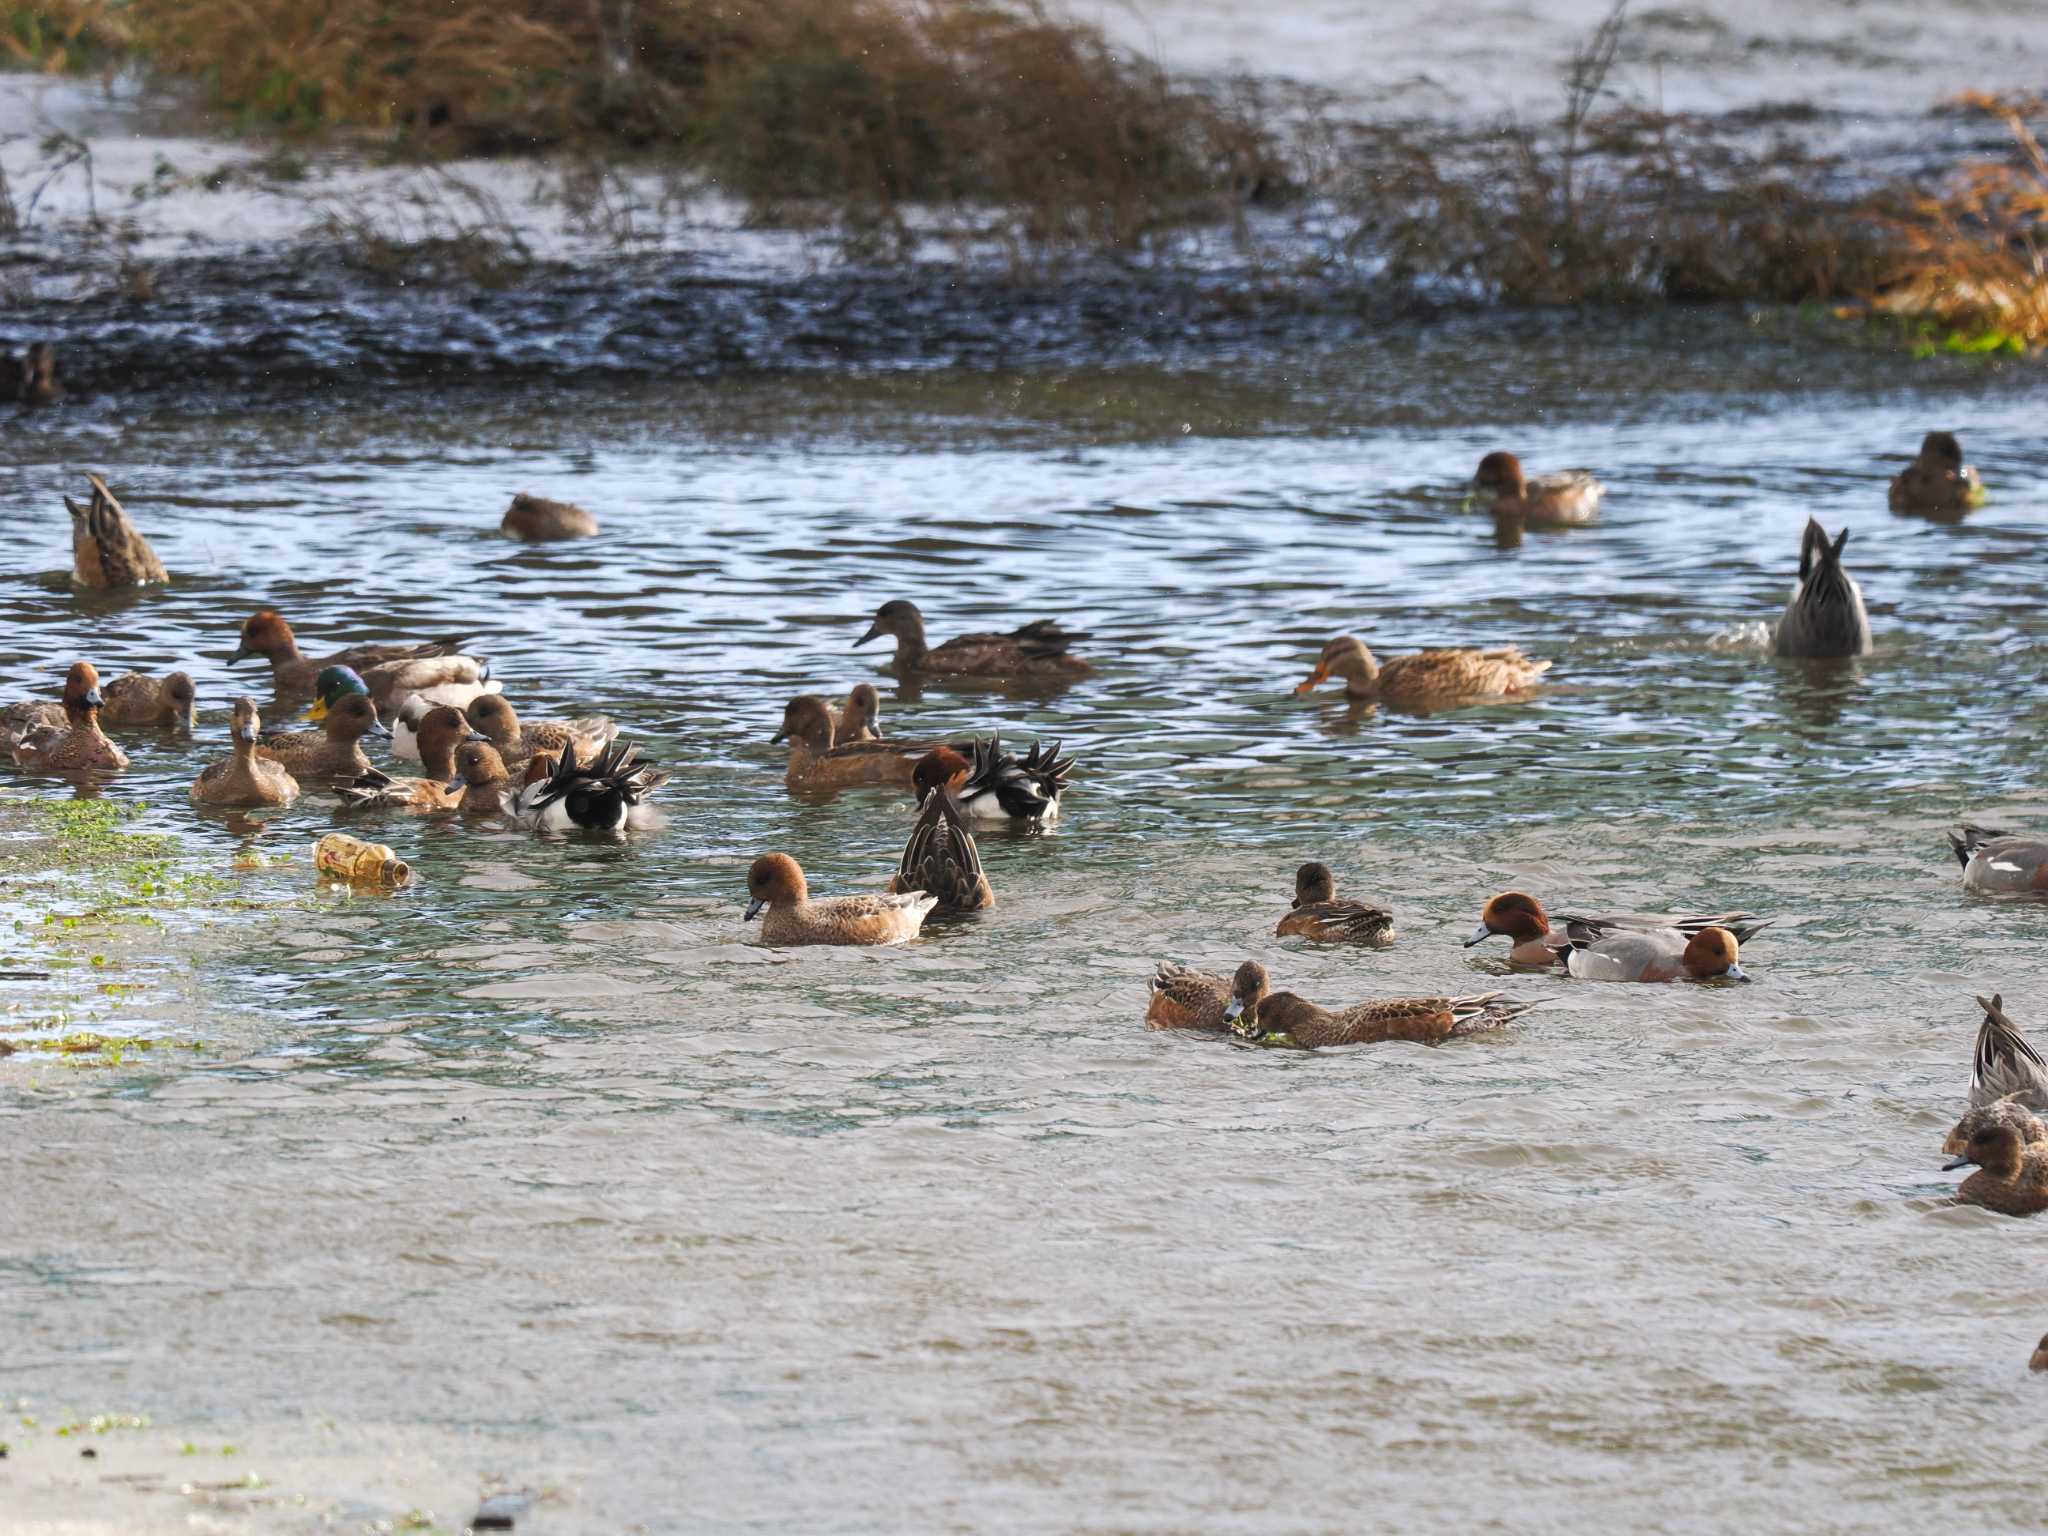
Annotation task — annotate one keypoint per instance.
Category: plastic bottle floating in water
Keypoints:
(352, 859)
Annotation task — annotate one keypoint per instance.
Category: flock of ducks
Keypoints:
(440, 708)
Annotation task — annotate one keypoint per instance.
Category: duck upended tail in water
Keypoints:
(607, 793)
(1825, 615)
(940, 858)
(2004, 1065)
(106, 550)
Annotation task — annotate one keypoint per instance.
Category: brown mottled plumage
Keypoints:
(539, 520)
(245, 778)
(1569, 499)
(1180, 998)
(106, 550)
(1039, 649)
(139, 702)
(79, 742)
(1429, 679)
(1318, 914)
(2012, 1173)
(266, 634)
(1418, 1020)
(1999, 1112)
(776, 882)
(441, 730)
(332, 755)
(516, 740)
(1937, 483)
(817, 762)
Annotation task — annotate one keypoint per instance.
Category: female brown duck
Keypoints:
(333, 755)
(1318, 914)
(1039, 649)
(245, 778)
(106, 549)
(1285, 1017)
(818, 761)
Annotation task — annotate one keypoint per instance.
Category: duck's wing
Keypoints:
(108, 550)
(1966, 839)
(2005, 1064)
(1352, 922)
(1592, 929)
(941, 859)
(1486, 1010)
(1462, 673)
(1182, 998)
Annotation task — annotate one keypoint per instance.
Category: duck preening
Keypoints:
(1824, 616)
(1998, 863)
(1654, 954)
(994, 785)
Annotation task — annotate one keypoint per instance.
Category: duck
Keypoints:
(1428, 680)
(78, 742)
(1317, 914)
(2005, 1067)
(1181, 997)
(136, 701)
(28, 717)
(1284, 1018)
(333, 755)
(244, 778)
(541, 521)
(516, 741)
(776, 882)
(1569, 499)
(998, 786)
(860, 717)
(266, 634)
(1040, 649)
(440, 731)
(1825, 616)
(1654, 954)
(37, 383)
(606, 792)
(941, 859)
(2012, 1172)
(1997, 863)
(1938, 483)
(2007, 1111)
(2038, 1361)
(1537, 937)
(107, 552)
(818, 761)
(481, 776)
(412, 707)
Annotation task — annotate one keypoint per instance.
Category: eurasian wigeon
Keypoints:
(1825, 616)
(1655, 954)
(106, 549)
(1568, 499)
(245, 778)
(517, 740)
(1183, 998)
(481, 776)
(138, 702)
(776, 882)
(79, 742)
(1938, 483)
(818, 761)
(1040, 649)
(440, 731)
(541, 521)
(1286, 1018)
(1427, 680)
(36, 382)
(333, 755)
(1999, 863)
(1317, 914)
(1518, 916)
(860, 717)
(2012, 1172)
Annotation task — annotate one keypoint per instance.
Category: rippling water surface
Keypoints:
(545, 1164)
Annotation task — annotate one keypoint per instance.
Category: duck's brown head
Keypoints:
(248, 725)
(1942, 450)
(478, 765)
(864, 707)
(1996, 1147)
(941, 765)
(82, 697)
(775, 880)
(353, 716)
(1516, 914)
(1345, 657)
(1501, 473)
(1713, 952)
(807, 722)
(495, 718)
(267, 635)
(439, 732)
(179, 701)
(1313, 882)
(1248, 989)
(896, 617)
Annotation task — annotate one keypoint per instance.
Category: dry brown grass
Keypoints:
(1969, 255)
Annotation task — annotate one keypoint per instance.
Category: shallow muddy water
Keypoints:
(545, 1173)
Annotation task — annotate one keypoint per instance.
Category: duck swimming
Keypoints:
(245, 778)
(78, 742)
(37, 383)
(1039, 649)
(441, 730)
(518, 740)
(136, 702)
(1318, 915)
(2012, 1173)
(1428, 680)
(266, 634)
(1824, 616)
(817, 761)
(776, 882)
(941, 859)
(1278, 1018)
(541, 521)
(1182, 998)
(1999, 863)
(107, 551)
(860, 717)
(1569, 499)
(1938, 483)
(1654, 954)
(1537, 938)
(332, 756)
(603, 793)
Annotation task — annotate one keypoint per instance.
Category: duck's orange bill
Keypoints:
(1315, 677)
